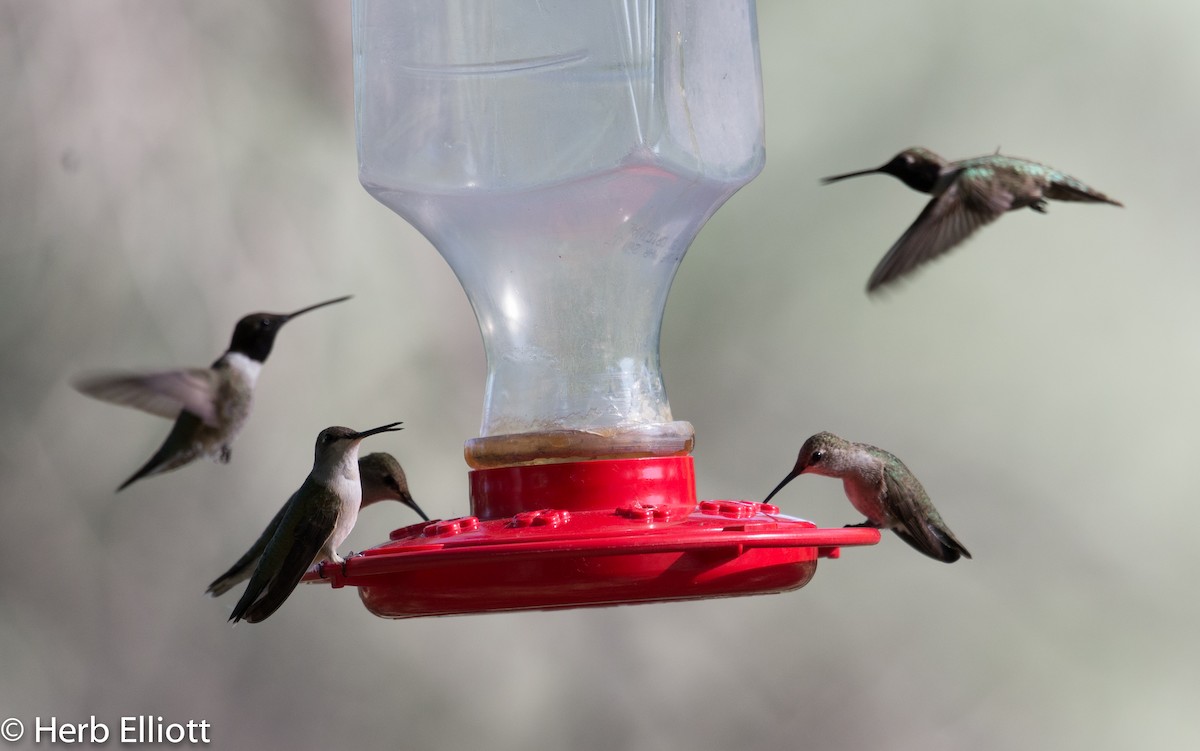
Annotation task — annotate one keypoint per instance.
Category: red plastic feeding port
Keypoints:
(576, 534)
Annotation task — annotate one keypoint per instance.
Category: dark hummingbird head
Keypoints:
(919, 169)
(383, 479)
(822, 454)
(337, 440)
(254, 335)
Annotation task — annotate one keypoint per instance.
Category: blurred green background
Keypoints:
(167, 167)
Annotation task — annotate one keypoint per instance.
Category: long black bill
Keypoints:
(860, 173)
(389, 428)
(792, 476)
(302, 311)
(407, 500)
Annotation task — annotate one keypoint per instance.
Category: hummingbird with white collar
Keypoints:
(315, 521)
(210, 405)
(967, 194)
(882, 489)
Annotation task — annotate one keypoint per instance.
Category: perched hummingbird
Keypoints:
(966, 195)
(314, 522)
(882, 489)
(209, 405)
(382, 479)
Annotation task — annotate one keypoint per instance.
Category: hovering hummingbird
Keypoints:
(967, 194)
(382, 479)
(314, 522)
(882, 489)
(209, 405)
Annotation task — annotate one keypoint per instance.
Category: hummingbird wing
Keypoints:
(308, 520)
(921, 526)
(947, 220)
(163, 393)
(246, 564)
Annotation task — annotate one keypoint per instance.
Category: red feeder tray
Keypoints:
(588, 533)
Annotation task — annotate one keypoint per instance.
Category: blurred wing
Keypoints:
(164, 393)
(946, 221)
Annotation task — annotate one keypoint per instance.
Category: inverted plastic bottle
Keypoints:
(561, 156)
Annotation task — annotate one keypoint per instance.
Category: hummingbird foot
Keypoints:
(1039, 206)
(226, 454)
(324, 575)
(868, 523)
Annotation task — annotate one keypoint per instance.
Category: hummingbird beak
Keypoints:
(860, 173)
(791, 476)
(407, 500)
(389, 428)
(290, 316)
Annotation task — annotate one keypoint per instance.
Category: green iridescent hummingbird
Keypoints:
(967, 194)
(315, 521)
(882, 489)
(382, 479)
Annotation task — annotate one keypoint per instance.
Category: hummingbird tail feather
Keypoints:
(942, 547)
(275, 595)
(951, 543)
(236, 574)
(1077, 191)
(152, 467)
(222, 585)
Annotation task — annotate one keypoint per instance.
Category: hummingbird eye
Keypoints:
(817, 456)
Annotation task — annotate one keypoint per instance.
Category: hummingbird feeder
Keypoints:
(561, 155)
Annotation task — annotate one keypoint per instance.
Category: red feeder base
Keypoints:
(604, 532)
